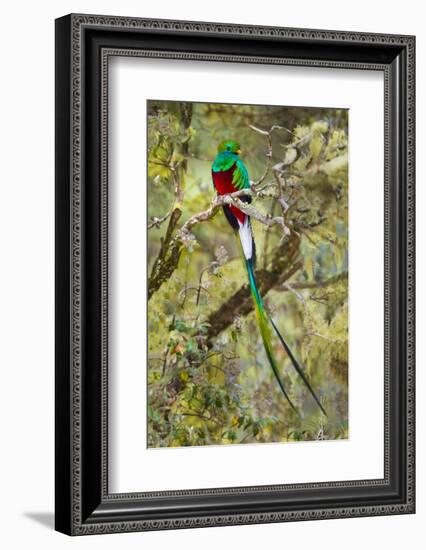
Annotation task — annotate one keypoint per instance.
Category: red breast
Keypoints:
(223, 182)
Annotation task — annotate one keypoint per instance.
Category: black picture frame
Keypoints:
(83, 45)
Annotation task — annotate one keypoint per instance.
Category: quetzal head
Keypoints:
(230, 146)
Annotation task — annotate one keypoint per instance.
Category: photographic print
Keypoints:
(234, 270)
(247, 274)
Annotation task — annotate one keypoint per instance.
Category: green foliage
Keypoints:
(204, 391)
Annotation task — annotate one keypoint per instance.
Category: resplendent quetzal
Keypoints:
(230, 175)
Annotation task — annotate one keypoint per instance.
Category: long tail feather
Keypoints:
(297, 366)
(248, 252)
(265, 330)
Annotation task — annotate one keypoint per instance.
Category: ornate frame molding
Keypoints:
(73, 52)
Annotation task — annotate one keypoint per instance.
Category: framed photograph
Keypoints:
(234, 274)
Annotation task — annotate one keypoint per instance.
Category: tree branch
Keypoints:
(232, 198)
(268, 153)
(156, 222)
(279, 176)
(284, 265)
(316, 284)
(168, 256)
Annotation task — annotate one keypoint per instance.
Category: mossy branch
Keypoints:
(172, 244)
(168, 255)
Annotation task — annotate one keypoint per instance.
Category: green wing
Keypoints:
(240, 177)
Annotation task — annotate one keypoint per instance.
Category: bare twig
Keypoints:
(156, 222)
(316, 284)
(278, 127)
(268, 135)
(304, 232)
(268, 153)
(232, 198)
(197, 290)
(200, 285)
(278, 171)
(323, 337)
(266, 242)
(178, 194)
(291, 288)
